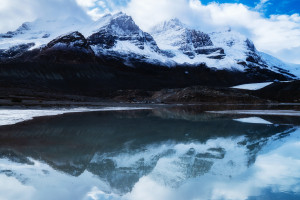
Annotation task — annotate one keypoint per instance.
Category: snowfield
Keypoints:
(252, 86)
(253, 120)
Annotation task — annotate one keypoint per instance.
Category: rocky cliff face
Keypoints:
(14, 51)
(121, 37)
(69, 48)
(173, 35)
(72, 41)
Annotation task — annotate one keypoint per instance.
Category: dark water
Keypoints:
(152, 154)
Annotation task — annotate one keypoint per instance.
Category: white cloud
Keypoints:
(98, 8)
(86, 3)
(262, 4)
(15, 12)
(102, 4)
(96, 13)
(150, 12)
(11, 188)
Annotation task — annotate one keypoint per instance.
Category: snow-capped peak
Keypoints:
(188, 45)
(70, 40)
(174, 35)
(122, 24)
(40, 32)
(119, 23)
(233, 43)
(280, 66)
(120, 35)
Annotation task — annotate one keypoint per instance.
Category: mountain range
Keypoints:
(113, 53)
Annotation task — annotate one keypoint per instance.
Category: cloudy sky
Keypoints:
(273, 25)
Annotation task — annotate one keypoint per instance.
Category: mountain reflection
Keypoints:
(126, 148)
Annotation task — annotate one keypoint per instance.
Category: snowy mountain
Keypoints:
(240, 50)
(170, 43)
(222, 50)
(279, 65)
(39, 32)
(187, 45)
(119, 36)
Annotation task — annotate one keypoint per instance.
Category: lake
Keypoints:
(164, 153)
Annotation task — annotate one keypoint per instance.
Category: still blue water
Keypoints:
(155, 154)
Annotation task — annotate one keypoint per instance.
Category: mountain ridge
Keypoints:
(170, 43)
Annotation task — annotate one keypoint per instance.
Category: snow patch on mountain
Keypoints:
(232, 42)
(253, 120)
(127, 47)
(276, 63)
(252, 86)
(240, 50)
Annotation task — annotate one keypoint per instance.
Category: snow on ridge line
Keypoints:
(252, 86)
(41, 32)
(253, 120)
(14, 116)
(259, 112)
(272, 61)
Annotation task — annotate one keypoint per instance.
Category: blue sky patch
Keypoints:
(270, 7)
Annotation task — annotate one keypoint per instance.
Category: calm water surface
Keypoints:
(155, 154)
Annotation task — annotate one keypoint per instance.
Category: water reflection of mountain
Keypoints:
(121, 147)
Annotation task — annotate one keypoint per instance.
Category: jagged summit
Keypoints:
(73, 40)
(189, 44)
(40, 32)
(113, 22)
(122, 24)
(69, 48)
(119, 34)
(173, 34)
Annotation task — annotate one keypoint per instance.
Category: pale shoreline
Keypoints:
(14, 116)
(259, 112)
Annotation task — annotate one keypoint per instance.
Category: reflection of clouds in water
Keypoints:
(172, 164)
(214, 170)
(95, 194)
(278, 169)
(218, 156)
(43, 182)
(11, 188)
